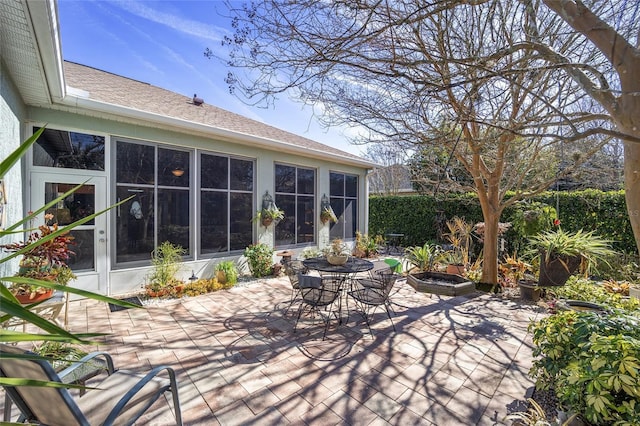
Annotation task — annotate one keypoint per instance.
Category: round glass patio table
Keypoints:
(353, 265)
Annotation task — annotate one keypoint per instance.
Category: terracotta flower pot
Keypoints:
(26, 299)
(455, 269)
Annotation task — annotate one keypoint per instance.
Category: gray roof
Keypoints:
(109, 88)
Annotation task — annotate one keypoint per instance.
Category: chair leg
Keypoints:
(389, 315)
(294, 293)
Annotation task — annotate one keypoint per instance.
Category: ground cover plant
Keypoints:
(591, 360)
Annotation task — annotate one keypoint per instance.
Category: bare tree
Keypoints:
(613, 28)
(449, 74)
(391, 176)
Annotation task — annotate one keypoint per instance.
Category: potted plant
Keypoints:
(455, 262)
(226, 272)
(328, 215)
(43, 259)
(337, 253)
(562, 253)
(269, 215)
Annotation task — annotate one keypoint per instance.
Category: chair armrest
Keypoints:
(87, 367)
(115, 412)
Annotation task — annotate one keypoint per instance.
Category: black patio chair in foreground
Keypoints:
(293, 268)
(121, 398)
(318, 297)
(371, 293)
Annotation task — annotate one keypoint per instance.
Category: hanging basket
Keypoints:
(557, 270)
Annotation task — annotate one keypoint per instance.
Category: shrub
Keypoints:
(367, 246)
(260, 259)
(593, 363)
(202, 286)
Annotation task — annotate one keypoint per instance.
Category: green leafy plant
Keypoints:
(269, 215)
(165, 260)
(228, 270)
(260, 259)
(592, 361)
(60, 354)
(560, 244)
(328, 215)
(424, 257)
(586, 290)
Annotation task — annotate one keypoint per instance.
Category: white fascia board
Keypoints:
(76, 99)
(44, 19)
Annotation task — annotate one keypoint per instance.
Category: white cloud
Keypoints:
(186, 26)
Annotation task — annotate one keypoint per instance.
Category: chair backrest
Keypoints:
(379, 265)
(318, 291)
(47, 405)
(293, 268)
(388, 279)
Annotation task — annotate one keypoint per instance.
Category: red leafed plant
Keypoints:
(56, 250)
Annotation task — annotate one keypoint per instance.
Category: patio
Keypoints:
(453, 360)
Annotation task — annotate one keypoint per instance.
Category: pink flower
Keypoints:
(556, 222)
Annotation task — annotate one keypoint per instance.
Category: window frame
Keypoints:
(297, 195)
(155, 189)
(228, 191)
(333, 198)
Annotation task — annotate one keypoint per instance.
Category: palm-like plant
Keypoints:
(423, 257)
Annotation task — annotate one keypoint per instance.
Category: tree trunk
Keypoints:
(490, 248)
(632, 186)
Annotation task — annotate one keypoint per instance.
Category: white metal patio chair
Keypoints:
(121, 398)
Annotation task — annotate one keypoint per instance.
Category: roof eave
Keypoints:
(210, 131)
(44, 20)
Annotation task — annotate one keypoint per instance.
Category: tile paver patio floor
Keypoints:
(453, 360)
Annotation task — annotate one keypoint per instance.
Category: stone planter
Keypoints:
(634, 292)
(439, 283)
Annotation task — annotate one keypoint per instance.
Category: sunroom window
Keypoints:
(343, 190)
(295, 189)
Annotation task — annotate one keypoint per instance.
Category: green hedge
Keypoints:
(417, 216)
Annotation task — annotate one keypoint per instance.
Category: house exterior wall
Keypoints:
(128, 280)
(12, 113)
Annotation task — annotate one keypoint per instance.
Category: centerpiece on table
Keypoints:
(338, 252)
(41, 261)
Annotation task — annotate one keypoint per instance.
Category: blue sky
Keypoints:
(162, 42)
